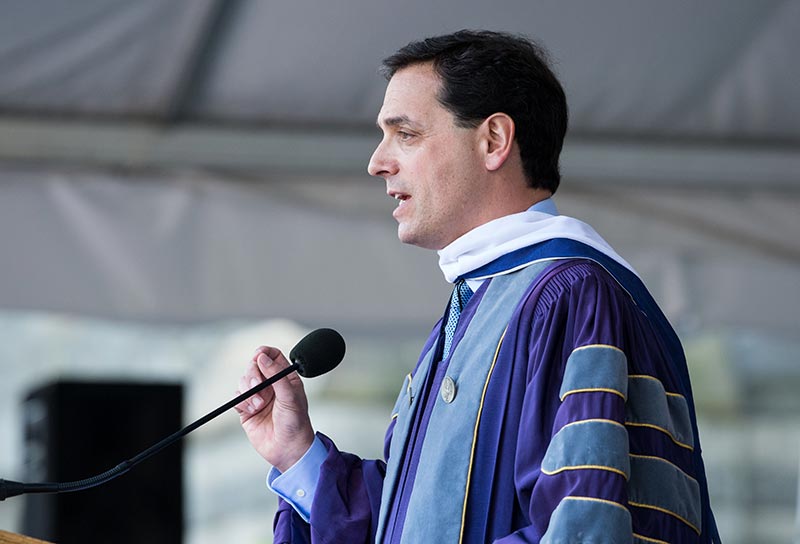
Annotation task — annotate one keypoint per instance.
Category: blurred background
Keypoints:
(183, 181)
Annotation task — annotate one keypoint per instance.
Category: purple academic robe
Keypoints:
(541, 405)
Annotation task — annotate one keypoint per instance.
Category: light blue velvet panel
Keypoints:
(588, 444)
(596, 368)
(649, 404)
(658, 483)
(585, 520)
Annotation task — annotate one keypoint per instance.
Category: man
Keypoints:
(551, 403)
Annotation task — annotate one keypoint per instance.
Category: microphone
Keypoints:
(320, 351)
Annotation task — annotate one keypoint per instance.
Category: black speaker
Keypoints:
(75, 430)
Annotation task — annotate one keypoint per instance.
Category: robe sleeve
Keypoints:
(346, 502)
(573, 467)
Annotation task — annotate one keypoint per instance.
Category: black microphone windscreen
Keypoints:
(320, 351)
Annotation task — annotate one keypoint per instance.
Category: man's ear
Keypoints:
(498, 132)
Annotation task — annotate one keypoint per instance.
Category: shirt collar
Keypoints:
(547, 206)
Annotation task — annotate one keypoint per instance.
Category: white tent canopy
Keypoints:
(717, 70)
(238, 122)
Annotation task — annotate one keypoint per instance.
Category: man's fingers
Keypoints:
(244, 408)
(270, 362)
(244, 384)
(256, 402)
(270, 352)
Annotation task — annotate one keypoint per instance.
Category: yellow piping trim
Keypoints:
(647, 539)
(589, 346)
(580, 421)
(593, 390)
(663, 430)
(394, 416)
(664, 461)
(475, 435)
(617, 471)
(594, 499)
(665, 511)
(583, 467)
(646, 377)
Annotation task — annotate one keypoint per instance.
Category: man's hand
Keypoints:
(276, 419)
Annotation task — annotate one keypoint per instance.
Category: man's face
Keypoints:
(431, 166)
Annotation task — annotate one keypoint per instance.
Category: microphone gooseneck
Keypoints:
(320, 351)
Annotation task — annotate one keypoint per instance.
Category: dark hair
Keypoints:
(485, 72)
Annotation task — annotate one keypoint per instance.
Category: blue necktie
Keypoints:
(461, 295)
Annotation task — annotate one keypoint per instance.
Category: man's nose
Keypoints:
(381, 164)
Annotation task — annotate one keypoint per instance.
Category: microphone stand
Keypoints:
(9, 488)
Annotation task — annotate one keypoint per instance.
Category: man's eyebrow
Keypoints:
(397, 120)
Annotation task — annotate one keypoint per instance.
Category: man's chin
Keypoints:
(413, 238)
(404, 236)
(407, 235)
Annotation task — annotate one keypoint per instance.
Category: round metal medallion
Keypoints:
(448, 389)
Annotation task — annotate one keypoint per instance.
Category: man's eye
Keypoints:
(404, 136)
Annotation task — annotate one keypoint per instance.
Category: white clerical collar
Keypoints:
(501, 236)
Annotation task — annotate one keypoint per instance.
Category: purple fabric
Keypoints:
(574, 303)
(348, 492)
